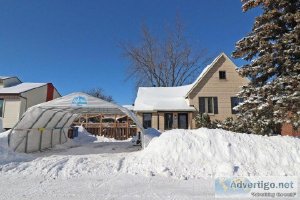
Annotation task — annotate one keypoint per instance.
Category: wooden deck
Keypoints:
(119, 131)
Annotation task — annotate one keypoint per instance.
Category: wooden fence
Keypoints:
(119, 131)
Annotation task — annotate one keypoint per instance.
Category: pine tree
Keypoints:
(272, 50)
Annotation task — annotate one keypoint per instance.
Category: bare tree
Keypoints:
(165, 62)
(99, 93)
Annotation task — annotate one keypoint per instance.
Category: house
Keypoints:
(16, 97)
(213, 92)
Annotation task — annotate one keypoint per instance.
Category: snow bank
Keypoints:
(1, 125)
(150, 133)
(84, 137)
(206, 152)
(7, 155)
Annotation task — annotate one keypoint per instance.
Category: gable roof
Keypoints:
(162, 99)
(206, 70)
(170, 98)
(20, 88)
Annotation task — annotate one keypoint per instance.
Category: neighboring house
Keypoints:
(16, 97)
(213, 92)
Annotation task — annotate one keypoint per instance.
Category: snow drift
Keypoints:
(149, 135)
(7, 155)
(182, 154)
(214, 152)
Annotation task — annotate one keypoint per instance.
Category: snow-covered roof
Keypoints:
(169, 98)
(162, 99)
(20, 88)
(5, 77)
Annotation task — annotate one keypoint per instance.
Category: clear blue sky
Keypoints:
(74, 43)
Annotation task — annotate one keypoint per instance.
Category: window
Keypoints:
(147, 120)
(222, 74)
(1, 107)
(234, 102)
(208, 105)
(183, 120)
(168, 121)
(209, 102)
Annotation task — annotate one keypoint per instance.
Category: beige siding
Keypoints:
(212, 86)
(161, 121)
(11, 113)
(56, 94)
(153, 119)
(22, 107)
(161, 117)
(35, 96)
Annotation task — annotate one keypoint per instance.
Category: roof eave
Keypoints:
(211, 66)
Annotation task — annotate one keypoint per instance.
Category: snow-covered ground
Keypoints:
(179, 164)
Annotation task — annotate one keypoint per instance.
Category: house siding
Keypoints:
(11, 115)
(16, 105)
(159, 117)
(35, 96)
(211, 86)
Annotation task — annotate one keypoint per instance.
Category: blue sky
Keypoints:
(74, 43)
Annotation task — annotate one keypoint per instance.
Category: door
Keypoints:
(182, 120)
(168, 121)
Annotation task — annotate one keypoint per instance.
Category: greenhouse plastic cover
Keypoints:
(45, 125)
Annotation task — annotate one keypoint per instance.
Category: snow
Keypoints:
(186, 154)
(7, 155)
(162, 98)
(150, 134)
(5, 77)
(177, 164)
(1, 124)
(22, 87)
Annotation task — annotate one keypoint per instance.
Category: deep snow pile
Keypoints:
(7, 155)
(214, 152)
(150, 134)
(83, 137)
(180, 154)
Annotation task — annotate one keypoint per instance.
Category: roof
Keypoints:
(162, 99)
(5, 77)
(204, 72)
(20, 88)
(169, 98)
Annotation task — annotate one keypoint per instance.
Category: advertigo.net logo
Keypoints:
(256, 187)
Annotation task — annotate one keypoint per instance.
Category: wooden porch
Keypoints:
(116, 126)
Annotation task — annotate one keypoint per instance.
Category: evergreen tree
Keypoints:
(272, 50)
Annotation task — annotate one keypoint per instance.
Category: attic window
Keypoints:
(222, 74)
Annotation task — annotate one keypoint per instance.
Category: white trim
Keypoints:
(210, 66)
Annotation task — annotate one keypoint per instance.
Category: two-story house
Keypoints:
(213, 92)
